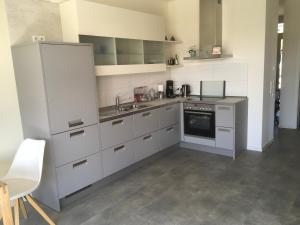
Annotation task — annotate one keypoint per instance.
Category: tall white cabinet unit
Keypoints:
(57, 95)
(121, 37)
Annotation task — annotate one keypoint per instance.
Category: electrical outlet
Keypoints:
(38, 38)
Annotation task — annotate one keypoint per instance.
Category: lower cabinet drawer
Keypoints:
(117, 158)
(116, 132)
(146, 146)
(77, 175)
(146, 122)
(169, 115)
(169, 136)
(75, 144)
(225, 138)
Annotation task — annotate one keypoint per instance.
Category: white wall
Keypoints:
(32, 17)
(10, 122)
(20, 19)
(183, 22)
(290, 67)
(270, 71)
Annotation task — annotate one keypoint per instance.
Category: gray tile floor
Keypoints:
(194, 188)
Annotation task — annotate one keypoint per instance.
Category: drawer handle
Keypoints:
(224, 130)
(147, 138)
(117, 122)
(224, 108)
(79, 163)
(169, 108)
(170, 129)
(146, 114)
(77, 133)
(75, 123)
(119, 148)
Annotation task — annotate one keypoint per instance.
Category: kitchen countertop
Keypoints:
(110, 113)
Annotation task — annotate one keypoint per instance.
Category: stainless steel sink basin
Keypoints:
(132, 107)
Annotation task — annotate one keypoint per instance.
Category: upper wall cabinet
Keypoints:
(89, 18)
(125, 41)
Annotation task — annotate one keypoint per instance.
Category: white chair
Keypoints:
(24, 177)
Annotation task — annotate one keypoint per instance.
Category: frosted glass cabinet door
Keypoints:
(70, 86)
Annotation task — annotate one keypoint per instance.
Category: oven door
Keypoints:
(199, 123)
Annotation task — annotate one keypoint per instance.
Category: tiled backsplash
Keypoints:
(111, 86)
(235, 75)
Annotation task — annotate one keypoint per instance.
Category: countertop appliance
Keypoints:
(186, 90)
(199, 120)
(170, 89)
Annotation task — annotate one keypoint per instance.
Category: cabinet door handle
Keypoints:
(224, 130)
(76, 133)
(224, 108)
(146, 114)
(119, 148)
(117, 122)
(147, 137)
(170, 129)
(79, 163)
(75, 123)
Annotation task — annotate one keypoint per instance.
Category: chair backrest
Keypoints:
(28, 161)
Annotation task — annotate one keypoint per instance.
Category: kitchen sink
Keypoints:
(132, 107)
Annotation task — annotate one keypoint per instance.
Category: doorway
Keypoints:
(280, 44)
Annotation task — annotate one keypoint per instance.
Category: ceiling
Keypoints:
(60, 1)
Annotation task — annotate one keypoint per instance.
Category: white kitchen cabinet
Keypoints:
(169, 115)
(225, 138)
(169, 136)
(146, 146)
(91, 18)
(116, 131)
(224, 116)
(79, 174)
(129, 69)
(118, 157)
(145, 122)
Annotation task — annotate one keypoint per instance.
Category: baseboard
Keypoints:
(267, 145)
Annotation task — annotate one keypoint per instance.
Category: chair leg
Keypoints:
(17, 212)
(39, 209)
(23, 208)
(5, 205)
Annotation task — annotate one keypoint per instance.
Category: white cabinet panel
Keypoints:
(118, 157)
(225, 138)
(145, 122)
(169, 115)
(224, 116)
(116, 131)
(146, 146)
(79, 174)
(169, 136)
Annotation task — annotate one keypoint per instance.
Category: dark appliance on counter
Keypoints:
(199, 120)
(185, 90)
(170, 89)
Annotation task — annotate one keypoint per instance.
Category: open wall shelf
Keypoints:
(115, 56)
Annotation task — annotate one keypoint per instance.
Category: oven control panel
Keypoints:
(199, 107)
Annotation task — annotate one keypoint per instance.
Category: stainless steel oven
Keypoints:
(199, 120)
